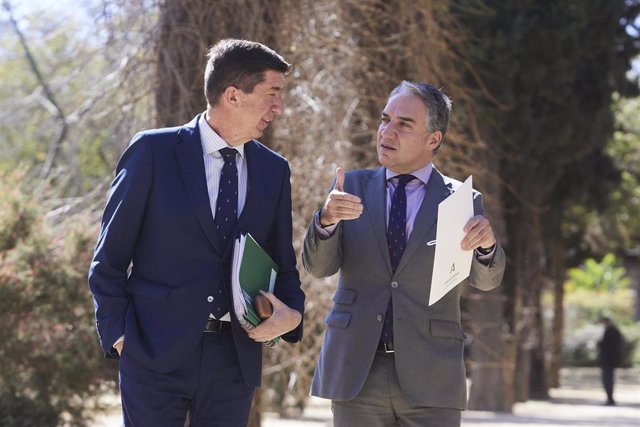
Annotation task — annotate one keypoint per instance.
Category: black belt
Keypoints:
(385, 347)
(215, 326)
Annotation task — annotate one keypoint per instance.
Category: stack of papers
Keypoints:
(252, 270)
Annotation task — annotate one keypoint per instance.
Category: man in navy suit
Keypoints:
(161, 269)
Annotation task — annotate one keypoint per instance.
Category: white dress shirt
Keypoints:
(212, 143)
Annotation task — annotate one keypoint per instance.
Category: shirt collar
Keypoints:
(212, 143)
(422, 174)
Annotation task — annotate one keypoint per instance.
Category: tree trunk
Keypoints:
(490, 376)
(491, 348)
(187, 28)
(632, 265)
(557, 328)
(538, 388)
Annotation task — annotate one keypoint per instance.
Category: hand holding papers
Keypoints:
(451, 264)
(252, 271)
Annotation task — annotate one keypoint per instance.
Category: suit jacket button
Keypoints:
(394, 284)
(210, 298)
(379, 317)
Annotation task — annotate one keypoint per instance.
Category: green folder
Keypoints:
(253, 270)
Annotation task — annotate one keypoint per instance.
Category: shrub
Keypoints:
(23, 412)
(52, 366)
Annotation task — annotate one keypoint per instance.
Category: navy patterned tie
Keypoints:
(226, 212)
(227, 201)
(396, 242)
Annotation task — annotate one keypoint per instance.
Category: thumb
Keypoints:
(272, 298)
(339, 179)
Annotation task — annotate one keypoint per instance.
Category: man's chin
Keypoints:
(257, 134)
(383, 160)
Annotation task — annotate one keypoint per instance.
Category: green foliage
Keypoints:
(624, 149)
(50, 359)
(593, 290)
(631, 335)
(605, 275)
(585, 307)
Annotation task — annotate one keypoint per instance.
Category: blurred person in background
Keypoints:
(610, 356)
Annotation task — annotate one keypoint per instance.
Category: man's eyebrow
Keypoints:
(276, 88)
(401, 118)
(407, 119)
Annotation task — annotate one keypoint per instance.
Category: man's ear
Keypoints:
(231, 95)
(433, 139)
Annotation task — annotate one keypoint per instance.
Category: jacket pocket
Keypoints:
(147, 288)
(446, 329)
(344, 296)
(338, 319)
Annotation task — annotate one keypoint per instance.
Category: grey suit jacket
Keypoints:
(428, 341)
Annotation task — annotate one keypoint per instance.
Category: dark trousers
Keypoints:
(608, 381)
(209, 386)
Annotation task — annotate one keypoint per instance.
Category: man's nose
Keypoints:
(387, 130)
(278, 106)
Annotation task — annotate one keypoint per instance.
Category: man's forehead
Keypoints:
(405, 106)
(273, 80)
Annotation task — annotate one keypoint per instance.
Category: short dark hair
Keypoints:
(239, 63)
(438, 104)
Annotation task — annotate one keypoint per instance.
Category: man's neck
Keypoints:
(221, 123)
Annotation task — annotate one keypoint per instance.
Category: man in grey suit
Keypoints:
(388, 358)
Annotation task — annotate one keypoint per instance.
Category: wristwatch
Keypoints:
(486, 251)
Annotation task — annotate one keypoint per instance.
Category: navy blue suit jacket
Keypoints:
(158, 220)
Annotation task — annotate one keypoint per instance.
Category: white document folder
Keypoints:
(451, 264)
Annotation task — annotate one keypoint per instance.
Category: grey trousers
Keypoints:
(381, 403)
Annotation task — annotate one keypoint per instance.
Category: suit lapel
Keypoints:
(190, 160)
(375, 208)
(426, 217)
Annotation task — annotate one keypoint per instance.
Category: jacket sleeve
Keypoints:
(321, 256)
(119, 230)
(287, 287)
(486, 276)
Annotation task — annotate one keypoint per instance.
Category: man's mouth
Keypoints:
(387, 147)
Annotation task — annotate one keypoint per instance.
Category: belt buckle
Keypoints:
(214, 326)
(388, 347)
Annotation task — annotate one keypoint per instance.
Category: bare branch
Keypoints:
(48, 94)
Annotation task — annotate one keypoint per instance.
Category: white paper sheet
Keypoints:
(451, 265)
(239, 304)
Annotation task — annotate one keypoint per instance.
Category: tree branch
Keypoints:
(54, 147)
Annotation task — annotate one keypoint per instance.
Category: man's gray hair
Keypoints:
(438, 104)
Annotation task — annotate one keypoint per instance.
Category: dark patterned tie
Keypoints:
(226, 213)
(396, 242)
